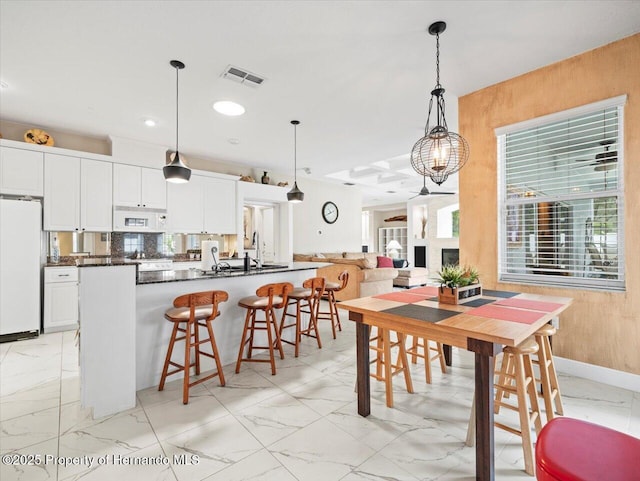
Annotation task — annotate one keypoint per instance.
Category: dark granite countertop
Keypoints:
(93, 262)
(196, 274)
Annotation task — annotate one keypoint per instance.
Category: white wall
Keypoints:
(312, 234)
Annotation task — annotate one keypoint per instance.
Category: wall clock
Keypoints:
(330, 212)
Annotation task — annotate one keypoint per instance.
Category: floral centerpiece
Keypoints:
(458, 284)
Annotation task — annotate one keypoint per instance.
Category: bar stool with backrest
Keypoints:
(330, 290)
(190, 312)
(382, 345)
(427, 349)
(307, 301)
(268, 298)
(548, 377)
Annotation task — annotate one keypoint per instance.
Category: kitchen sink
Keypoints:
(253, 268)
(271, 266)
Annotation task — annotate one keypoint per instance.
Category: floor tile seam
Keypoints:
(266, 446)
(22, 448)
(39, 410)
(249, 405)
(378, 451)
(164, 453)
(60, 404)
(321, 414)
(377, 454)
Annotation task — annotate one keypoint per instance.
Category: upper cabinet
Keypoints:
(77, 194)
(139, 187)
(21, 172)
(205, 205)
(219, 205)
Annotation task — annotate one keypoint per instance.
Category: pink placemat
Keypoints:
(428, 290)
(506, 314)
(529, 304)
(407, 297)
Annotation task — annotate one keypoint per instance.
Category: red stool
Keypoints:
(574, 450)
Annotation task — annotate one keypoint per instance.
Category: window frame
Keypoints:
(615, 285)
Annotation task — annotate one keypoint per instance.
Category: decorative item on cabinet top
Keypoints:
(247, 178)
(39, 137)
(397, 218)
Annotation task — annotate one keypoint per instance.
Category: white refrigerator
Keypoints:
(21, 262)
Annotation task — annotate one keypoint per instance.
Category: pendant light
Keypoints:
(176, 171)
(440, 152)
(295, 195)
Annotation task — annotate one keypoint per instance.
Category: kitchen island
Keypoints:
(131, 330)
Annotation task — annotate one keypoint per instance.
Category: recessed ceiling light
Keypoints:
(234, 141)
(150, 123)
(227, 107)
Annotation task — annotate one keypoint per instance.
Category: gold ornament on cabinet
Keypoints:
(39, 137)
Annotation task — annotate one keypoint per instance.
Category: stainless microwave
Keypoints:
(131, 219)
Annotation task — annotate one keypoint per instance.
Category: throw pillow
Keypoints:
(385, 261)
(400, 263)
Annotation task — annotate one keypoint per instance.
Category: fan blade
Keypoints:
(442, 193)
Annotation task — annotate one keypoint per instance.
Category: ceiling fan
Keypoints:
(424, 191)
(604, 160)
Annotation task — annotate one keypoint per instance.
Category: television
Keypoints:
(450, 256)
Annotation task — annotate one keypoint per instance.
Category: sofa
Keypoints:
(365, 277)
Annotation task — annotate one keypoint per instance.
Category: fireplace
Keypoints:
(450, 256)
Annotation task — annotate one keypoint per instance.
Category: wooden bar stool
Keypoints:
(193, 311)
(516, 376)
(385, 369)
(268, 298)
(310, 293)
(547, 368)
(330, 289)
(424, 343)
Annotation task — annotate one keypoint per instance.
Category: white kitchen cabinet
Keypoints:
(184, 206)
(205, 205)
(60, 298)
(139, 187)
(219, 206)
(77, 194)
(95, 196)
(61, 193)
(21, 172)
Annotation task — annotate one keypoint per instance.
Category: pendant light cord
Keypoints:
(295, 153)
(177, 109)
(438, 61)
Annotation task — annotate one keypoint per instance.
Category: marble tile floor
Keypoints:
(301, 424)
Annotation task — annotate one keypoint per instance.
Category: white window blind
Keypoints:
(561, 199)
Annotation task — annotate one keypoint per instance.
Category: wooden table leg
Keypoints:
(362, 364)
(485, 448)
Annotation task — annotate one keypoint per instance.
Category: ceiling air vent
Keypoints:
(242, 76)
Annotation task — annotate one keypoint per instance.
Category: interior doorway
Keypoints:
(260, 230)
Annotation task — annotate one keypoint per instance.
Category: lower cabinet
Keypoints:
(60, 298)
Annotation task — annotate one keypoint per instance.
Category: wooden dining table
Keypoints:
(482, 325)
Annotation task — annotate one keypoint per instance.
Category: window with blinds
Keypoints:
(561, 198)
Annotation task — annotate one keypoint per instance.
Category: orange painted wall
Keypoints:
(601, 328)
